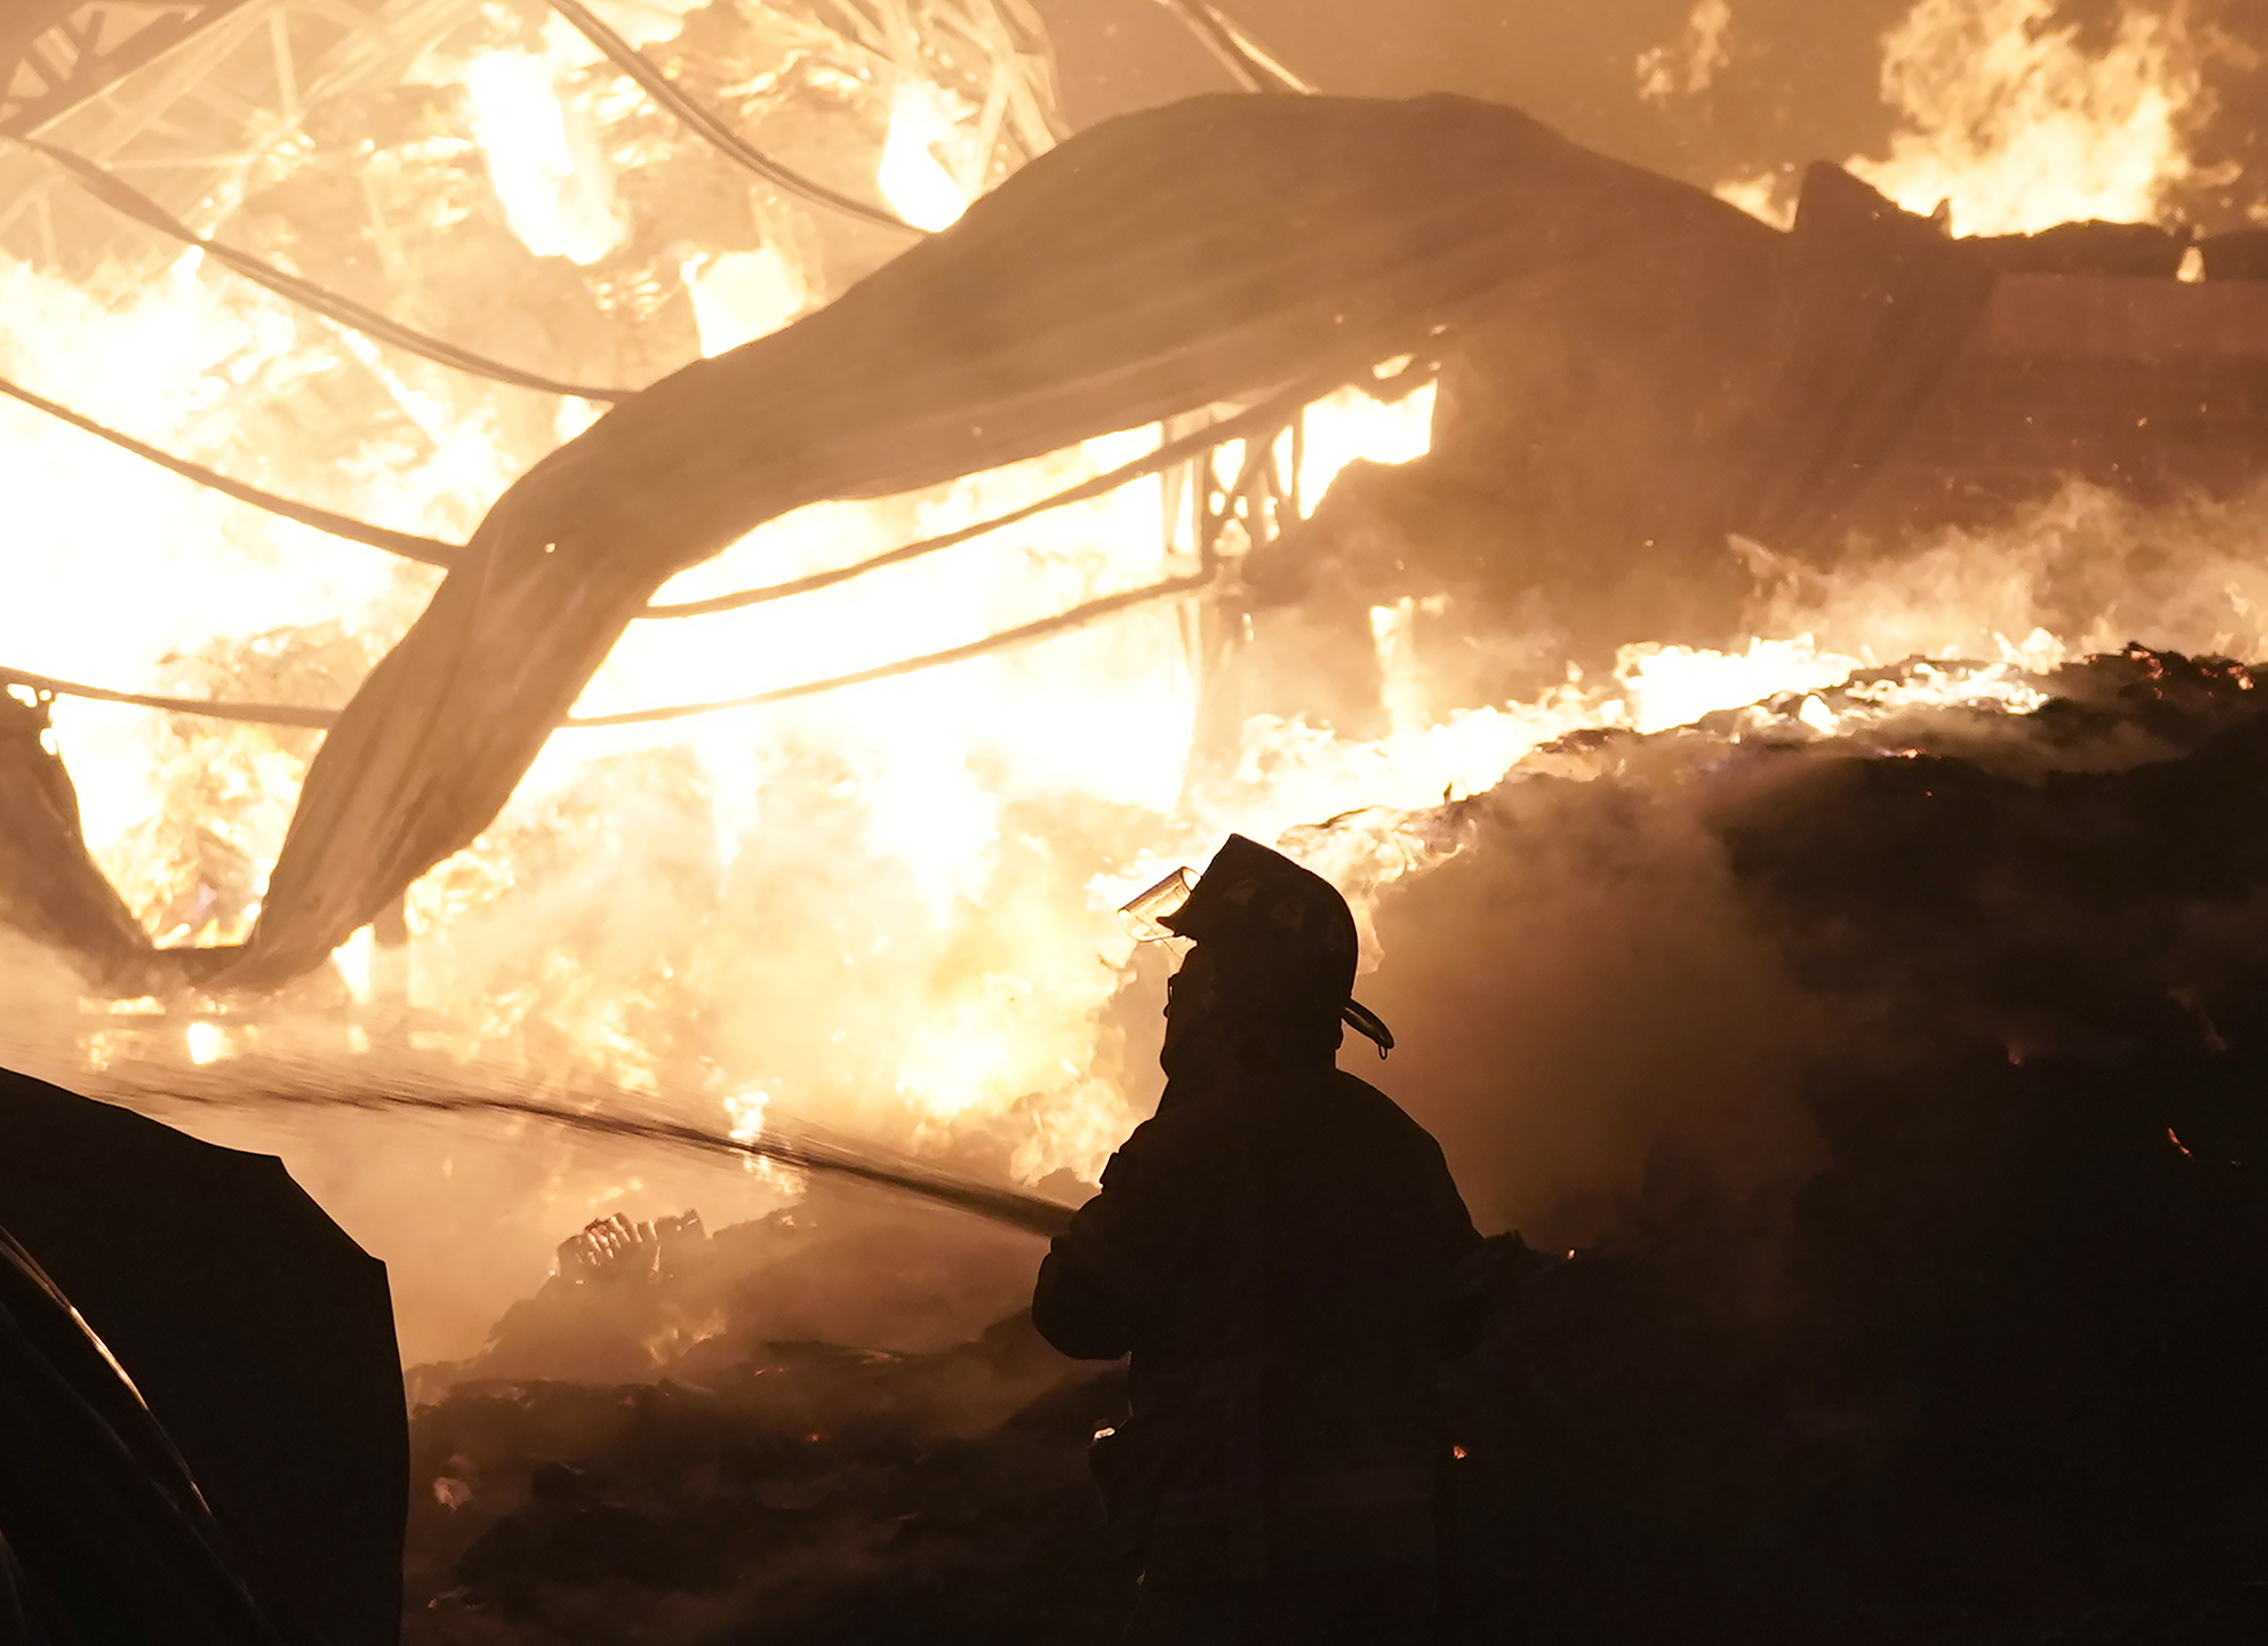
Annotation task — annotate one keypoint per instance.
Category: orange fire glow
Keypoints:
(2005, 118)
(890, 907)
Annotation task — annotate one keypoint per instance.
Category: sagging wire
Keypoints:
(124, 198)
(1267, 416)
(408, 545)
(433, 551)
(288, 714)
(205, 708)
(1077, 617)
(1263, 419)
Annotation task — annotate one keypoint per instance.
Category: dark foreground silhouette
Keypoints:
(247, 1483)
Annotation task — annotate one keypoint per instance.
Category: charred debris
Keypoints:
(1988, 1371)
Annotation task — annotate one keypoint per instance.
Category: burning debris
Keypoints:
(1412, 637)
(1690, 636)
(819, 1494)
(1982, 1363)
(614, 1250)
(841, 1266)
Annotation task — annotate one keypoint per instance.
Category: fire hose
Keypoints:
(995, 1203)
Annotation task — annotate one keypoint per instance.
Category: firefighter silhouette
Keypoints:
(1277, 1249)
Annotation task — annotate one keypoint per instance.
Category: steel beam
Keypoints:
(55, 54)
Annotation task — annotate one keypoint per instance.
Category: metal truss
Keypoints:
(1257, 502)
(56, 54)
(993, 53)
(184, 110)
(186, 102)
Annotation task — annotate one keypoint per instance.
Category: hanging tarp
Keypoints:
(1161, 262)
(1604, 427)
(1875, 302)
(1222, 248)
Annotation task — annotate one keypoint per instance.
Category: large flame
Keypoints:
(550, 175)
(889, 906)
(2007, 120)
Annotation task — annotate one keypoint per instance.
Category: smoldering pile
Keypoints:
(753, 1482)
(1975, 1357)
(1898, 1089)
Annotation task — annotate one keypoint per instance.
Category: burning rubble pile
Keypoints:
(1692, 637)
(1976, 1359)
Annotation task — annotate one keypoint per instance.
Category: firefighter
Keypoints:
(1276, 1249)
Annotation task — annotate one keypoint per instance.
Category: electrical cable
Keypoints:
(208, 708)
(1061, 621)
(408, 545)
(1267, 416)
(290, 714)
(122, 197)
(433, 551)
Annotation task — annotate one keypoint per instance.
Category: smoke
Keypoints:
(1580, 991)
(1592, 983)
(2085, 570)
(1583, 988)
(892, 909)
(465, 1210)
